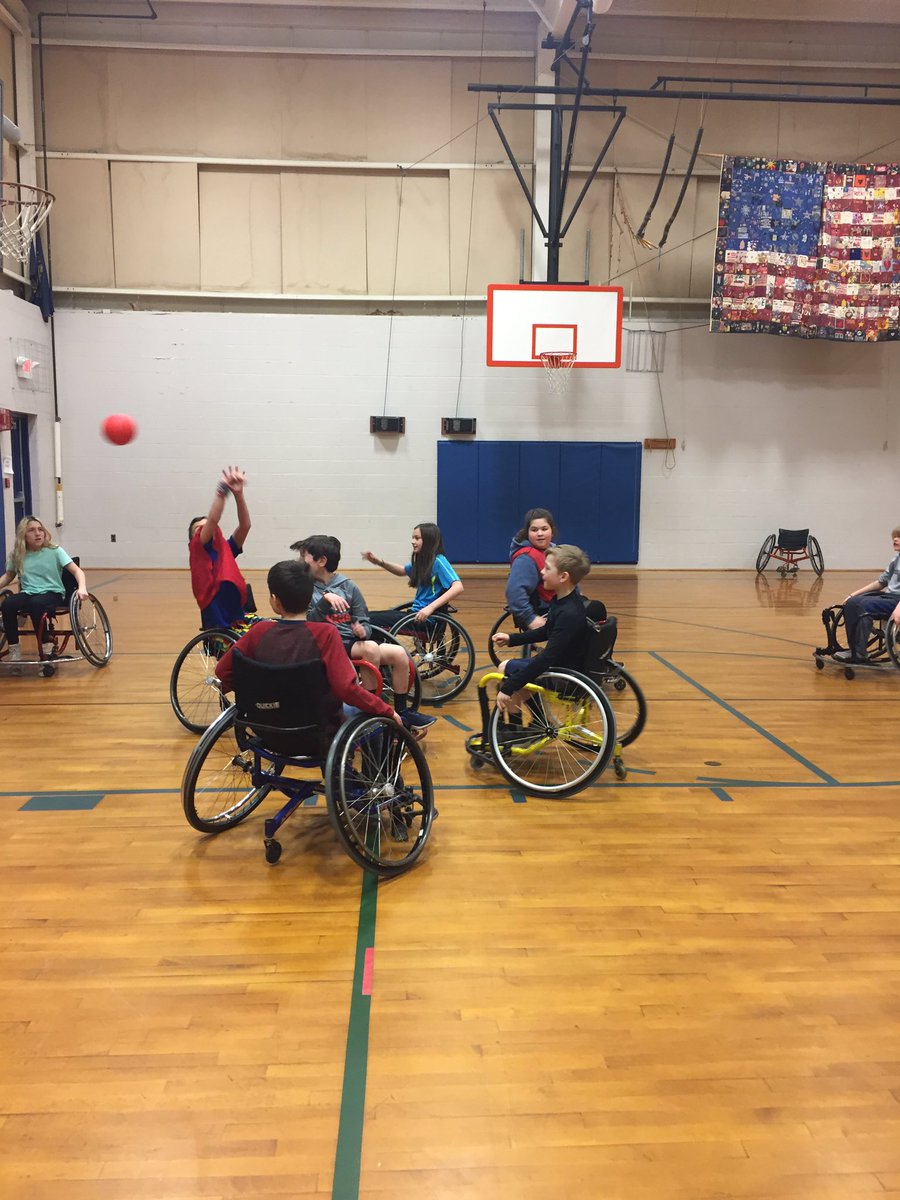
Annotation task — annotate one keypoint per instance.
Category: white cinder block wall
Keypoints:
(774, 431)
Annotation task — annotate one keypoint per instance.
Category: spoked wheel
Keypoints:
(218, 789)
(442, 652)
(814, 550)
(380, 795)
(892, 641)
(765, 553)
(626, 699)
(505, 623)
(90, 625)
(414, 688)
(562, 739)
(193, 687)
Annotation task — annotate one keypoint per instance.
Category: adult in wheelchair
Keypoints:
(282, 735)
(52, 588)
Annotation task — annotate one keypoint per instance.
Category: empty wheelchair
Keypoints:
(441, 650)
(882, 642)
(373, 775)
(83, 622)
(790, 548)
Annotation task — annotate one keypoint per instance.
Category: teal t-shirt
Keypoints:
(442, 575)
(42, 570)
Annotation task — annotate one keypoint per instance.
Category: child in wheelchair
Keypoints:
(291, 639)
(566, 630)
(428, 571)
(337, 600)
(878, 600)
(222, 593)
(38, 563)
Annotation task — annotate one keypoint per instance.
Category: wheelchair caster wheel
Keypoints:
(476, 763)
(849, 673)
(273, 851)
(47, 670)
(820, 664)
(620, 769)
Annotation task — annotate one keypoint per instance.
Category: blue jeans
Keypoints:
(858, 613)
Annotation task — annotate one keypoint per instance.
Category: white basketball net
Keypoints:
(558, 368)
(23, 210)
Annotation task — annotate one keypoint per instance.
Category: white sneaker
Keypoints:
(14, 654)
(48, 649)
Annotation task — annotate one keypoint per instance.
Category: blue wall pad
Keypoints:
(592, 488)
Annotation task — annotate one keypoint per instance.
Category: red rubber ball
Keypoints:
(119, 429)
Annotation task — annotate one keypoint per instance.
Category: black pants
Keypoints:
(34, 604)
(858, 613)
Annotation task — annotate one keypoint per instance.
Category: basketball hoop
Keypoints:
(23, 210)
(559, 366)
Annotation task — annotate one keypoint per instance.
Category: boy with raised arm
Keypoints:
(218, 585)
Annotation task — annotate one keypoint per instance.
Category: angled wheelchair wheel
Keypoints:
(443, 654)
(380, 795)
(414, 691)
(814, 550)
(90, 625)
(561, 741)
(505, 623)
(626, 699)
(892, 641)
(193, 688)
(765, 553)
(217, 790)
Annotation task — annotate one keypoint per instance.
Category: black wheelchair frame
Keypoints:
(374, 776)
(882, 642)
(441, 649)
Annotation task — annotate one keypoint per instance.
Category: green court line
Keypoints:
(348, 1155)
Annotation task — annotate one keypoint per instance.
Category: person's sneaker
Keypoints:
(847, 656)
(49, 648)
(14, 658)
(417, 723)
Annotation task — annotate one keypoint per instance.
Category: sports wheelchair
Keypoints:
(440, 648)
(791, 547)
(882, 642)
(374, 777)
(194, 690)
(571, 725)
(88, 626)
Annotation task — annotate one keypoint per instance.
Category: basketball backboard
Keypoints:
(525, 320)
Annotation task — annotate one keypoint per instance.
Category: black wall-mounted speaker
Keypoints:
(456, 425)
(387, 424)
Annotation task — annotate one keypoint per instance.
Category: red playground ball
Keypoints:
(119, 429)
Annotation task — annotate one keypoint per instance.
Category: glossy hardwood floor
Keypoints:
(683, 986)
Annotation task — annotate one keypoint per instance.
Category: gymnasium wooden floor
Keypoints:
(683, 986)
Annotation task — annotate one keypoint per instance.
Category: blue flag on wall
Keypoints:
(40, 280)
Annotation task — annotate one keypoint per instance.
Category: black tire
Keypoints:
(414, 691)
(814, 550)
(194, 691)
(765, 553)
(273, 851)
(380, 795)
(563, 740)
(217, 790)
(627, 700)
(90, 625)
(443, 654)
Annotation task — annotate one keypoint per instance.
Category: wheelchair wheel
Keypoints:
(562, 739)
(90, 625)
(380, 795)
(414, 691)
(505, 623)
(814, 550)
(443, 654)
(193, 688)
(217, 790)
(892, 641)
(765, 553)
(626, 700)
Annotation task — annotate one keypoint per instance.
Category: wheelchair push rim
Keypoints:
(765, 553)
(566, 737)
(217, 789)
(380, 795)
(816, 558)
(442, 652)
(505, 623)
(626, 699)
(194, 690)
(90, 626)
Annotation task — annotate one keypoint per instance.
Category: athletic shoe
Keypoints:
(416, 722)
(48, 649)
(14, 658)
(848, 656)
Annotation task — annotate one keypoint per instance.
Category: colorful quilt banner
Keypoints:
(808, 249)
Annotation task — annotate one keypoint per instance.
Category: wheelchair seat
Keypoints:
(792, 539)
(283, 705)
